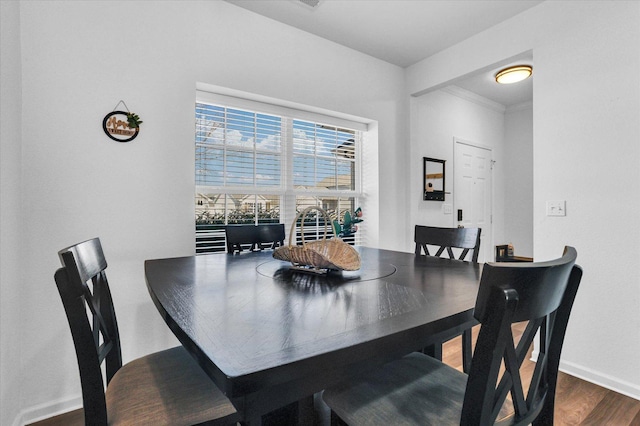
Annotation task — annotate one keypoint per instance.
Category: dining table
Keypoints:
(269, 335)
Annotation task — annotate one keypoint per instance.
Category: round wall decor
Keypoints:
(116, 126)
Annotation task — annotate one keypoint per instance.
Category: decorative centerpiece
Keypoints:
(318, 256)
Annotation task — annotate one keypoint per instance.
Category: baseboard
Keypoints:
(47, 410)
(608, 382)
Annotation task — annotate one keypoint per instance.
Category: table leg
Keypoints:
(466, 350)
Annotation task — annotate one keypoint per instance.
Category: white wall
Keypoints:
(585, 124)
(78, 60)
(10, 212)
(436, 119)
(518, 182)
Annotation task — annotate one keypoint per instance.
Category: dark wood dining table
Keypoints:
(269, 336)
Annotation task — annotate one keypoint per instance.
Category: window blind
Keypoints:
(260, 165)
(237, 148)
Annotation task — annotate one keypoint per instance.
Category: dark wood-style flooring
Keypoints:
(577, 402)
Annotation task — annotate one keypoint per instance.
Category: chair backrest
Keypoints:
(82, 284)
(257, 236)
(542, 294)
(447, 238)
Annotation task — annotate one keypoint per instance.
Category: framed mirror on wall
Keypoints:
(433, 179)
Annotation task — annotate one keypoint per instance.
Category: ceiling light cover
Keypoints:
(514, 74)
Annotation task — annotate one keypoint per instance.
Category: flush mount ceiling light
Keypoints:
(514, 74)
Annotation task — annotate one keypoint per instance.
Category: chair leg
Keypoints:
(466, 350)
(546, 415)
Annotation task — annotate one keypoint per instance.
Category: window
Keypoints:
(261, 163)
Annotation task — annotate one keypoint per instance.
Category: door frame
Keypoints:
(489, 252)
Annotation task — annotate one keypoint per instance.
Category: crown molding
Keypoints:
(519, 107)
(474, 98)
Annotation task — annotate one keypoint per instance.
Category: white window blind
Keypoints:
(323, 157)
(237, 148)
(264, 164)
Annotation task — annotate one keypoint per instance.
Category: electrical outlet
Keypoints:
(446, 208)
(556, 208)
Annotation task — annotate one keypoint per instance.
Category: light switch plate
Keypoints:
(557, 208)
(447, 209)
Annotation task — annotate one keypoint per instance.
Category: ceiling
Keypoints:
(403, 32)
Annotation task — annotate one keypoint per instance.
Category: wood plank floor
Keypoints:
(577, 402)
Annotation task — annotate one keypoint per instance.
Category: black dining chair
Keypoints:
(254, 237)
(420, 390)
(465, 239)
(163, 388)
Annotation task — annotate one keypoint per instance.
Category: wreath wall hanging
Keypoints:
(121, 126)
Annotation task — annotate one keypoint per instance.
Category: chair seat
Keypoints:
(166, 388)
(414, 390)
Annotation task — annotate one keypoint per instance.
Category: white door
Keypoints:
(472, 193)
